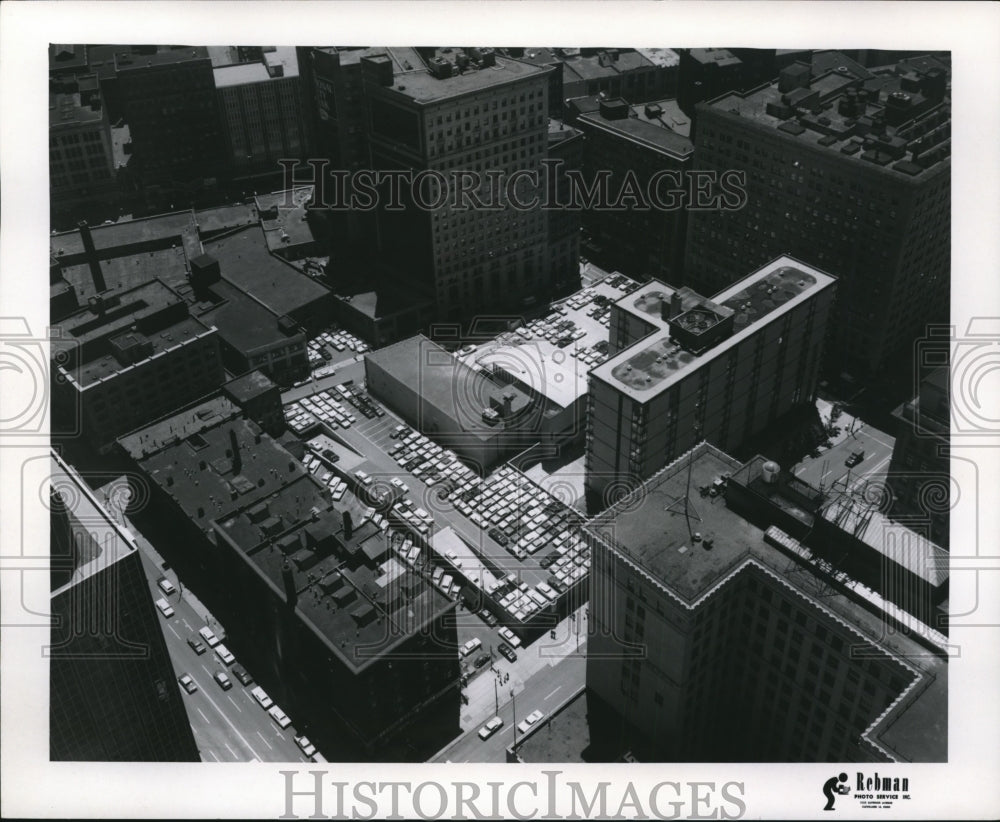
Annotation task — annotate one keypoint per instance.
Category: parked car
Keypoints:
(279, 716)
(305, 745)
(164, 607)
(510, 636)
(210, 638)
(488, 617)
(490, 728)
(196, 645)
(481, 660)
(187, 683)
(529, 720)
(507, 652)
(241, 674)
(857, 455)
(471, 646)
(166, 586)
(262, 698)
(223, 653)
(223, 679)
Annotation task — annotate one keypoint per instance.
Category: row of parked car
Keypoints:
(320, 349)
(205, 639)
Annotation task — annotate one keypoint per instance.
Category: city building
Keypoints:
(478, 413)
(130, 357)
(642, 240)
(259, 399)
(705, 73)
(167, 96)
(919, 471)
(232, 265)
(714, 640)
(262, 111)
(463, 111)
(81, 159)
(686, 368)
(113, 694)
(334, 627)
(848, 170)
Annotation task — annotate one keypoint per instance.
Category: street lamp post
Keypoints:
(513, 703)
(496, 695)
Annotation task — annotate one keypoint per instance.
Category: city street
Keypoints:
(543, 691)
(829, 468)
(228, 726)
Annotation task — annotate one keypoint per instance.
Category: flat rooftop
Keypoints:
(453, 388)
(280, 64)
(245, 261)
(173, 429)
(541, 364)
(712, 56)
(111, 542)
(126, 272)
(423, 87)
(903, 151)
(654, 363)
(665, 113)
(88, 334)
(130, 58)
(249, 386)
(283, 217)
(243, 323)
(654, 135)
(162, 230)
(665, 58)
(657, 535)
(67, 110)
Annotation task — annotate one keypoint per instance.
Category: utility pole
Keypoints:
(496, 695)
(513, 709)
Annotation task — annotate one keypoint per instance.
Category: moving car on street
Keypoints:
(187, 683)
(223, 679)
(529, 720)
(196, 645)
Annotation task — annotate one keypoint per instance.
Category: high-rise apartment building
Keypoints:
(847, 170)
(687, 368)
(714, 640)
(113, 694)
(262, 113)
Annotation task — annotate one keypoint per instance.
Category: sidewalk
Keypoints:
(114, 507)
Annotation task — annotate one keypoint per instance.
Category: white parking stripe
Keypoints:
(214, 757)
(207, 720)
(171, 627)
(262, 739)
(237, 707)
(231, 750)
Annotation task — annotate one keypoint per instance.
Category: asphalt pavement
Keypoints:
(228, 725)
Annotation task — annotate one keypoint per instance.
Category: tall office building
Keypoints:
(848, 170)
(463, 111)
(81, 159)
(262, 112)
(687, 368)
(714, 637)
(167, 95)
(635, 148)
(113, 695)
(919, 469)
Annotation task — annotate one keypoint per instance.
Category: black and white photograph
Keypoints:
(566, 431)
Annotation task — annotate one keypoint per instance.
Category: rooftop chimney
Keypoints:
(237, 459)
(91, 252)
(670, 310)
(508, 404)
(348, 526)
